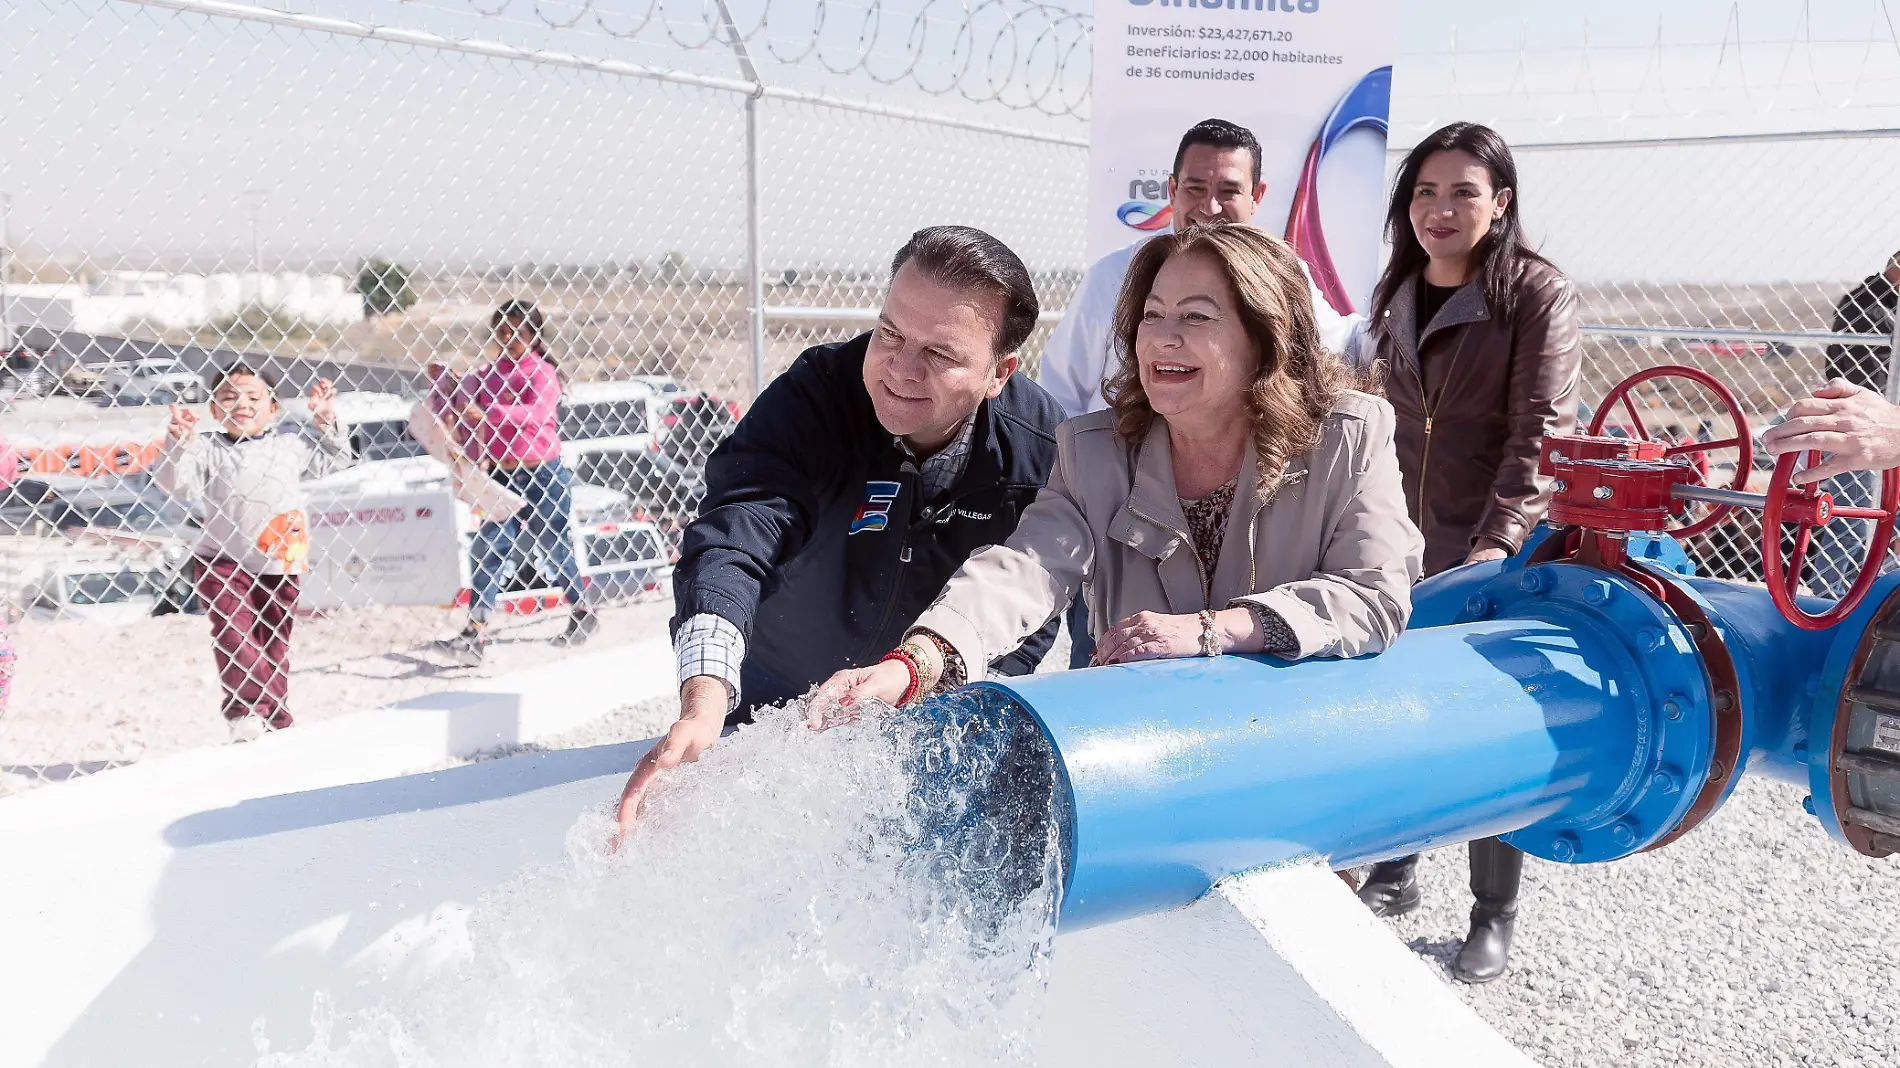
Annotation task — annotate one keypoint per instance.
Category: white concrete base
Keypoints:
(139, 934)
(87, 866)
(1277, 967)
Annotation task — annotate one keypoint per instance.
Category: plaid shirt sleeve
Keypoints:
(709, 644)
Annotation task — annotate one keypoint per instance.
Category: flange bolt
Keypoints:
(1668, 780)
(1598, 591)
(1623, 834)
(1807, 804)
(1533, 580)
(1478, 606)
(1673, 708)
(1564, 847)
(1649, 639)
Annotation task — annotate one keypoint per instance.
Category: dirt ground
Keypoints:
(88, 697)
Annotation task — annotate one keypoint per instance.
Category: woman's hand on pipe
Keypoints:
(1485, 552)
(841, 698)
(1158, 636)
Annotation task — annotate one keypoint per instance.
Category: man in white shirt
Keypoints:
(1216, 179)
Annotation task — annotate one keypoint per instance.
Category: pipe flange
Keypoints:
(1858, 779)
(1725, 689)
(1672, 719)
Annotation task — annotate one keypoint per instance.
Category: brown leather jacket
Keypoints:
(1474, 396)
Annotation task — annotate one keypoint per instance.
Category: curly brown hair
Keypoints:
(1297, 382)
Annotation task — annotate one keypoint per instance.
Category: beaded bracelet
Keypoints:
(1210, 642)
(910, 665)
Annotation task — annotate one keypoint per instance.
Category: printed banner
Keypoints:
(1311, 78)
(384, 549)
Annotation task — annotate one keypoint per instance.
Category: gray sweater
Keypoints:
(252, 492)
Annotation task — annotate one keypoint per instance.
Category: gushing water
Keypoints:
(876, 894)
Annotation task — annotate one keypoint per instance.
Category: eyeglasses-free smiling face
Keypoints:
(244, 406)
(1194, 353)
(1454, 205)
(1214, 185)
(932, 359)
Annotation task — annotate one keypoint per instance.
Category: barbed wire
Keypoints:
(1021, 54)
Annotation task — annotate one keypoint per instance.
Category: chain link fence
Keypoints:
(691, 192)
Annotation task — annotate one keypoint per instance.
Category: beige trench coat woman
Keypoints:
(1333, 553)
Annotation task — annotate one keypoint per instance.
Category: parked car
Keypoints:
(112, 518)
(57, 580)
(24, 374)
(693, 425)
(113, 508)
(660, 384)
(150, 379)
(78, 380)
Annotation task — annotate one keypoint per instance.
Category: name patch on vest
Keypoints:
(875, 512)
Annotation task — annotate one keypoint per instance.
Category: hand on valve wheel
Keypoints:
(1855, 429)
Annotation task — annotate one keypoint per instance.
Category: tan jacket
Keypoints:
(1333, 553)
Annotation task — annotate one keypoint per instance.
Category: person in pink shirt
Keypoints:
(506, 416)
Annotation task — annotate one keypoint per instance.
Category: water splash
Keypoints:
(875, 894)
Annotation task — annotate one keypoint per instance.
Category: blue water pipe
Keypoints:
(1561, 705)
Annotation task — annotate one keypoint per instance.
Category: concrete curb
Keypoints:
(411, 736)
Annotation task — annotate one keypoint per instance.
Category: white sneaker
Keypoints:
(248, 729)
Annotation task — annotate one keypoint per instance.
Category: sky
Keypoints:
(142, 137)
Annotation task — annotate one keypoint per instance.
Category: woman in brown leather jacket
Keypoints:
(1477, 339)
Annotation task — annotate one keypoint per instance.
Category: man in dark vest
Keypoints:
(855, 487)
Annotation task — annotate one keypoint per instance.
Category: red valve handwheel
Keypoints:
(1697, 452)
(1809, 509)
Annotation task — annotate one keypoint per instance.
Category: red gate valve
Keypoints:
(1612, 484)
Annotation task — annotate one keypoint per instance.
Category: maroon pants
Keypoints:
(250, 637)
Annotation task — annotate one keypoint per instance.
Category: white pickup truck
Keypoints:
(151, 379)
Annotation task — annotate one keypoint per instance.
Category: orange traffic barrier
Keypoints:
(88, 461)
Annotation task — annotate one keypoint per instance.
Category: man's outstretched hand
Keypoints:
(1857, 428)
(703, 704)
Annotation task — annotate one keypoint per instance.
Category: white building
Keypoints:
(126, 300)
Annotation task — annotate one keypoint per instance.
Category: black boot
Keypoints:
(468, 646)
(580, 627)
(1392, 888)
(1496, 870)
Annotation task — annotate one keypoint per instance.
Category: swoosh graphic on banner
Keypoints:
(1145, 215)
(1365, 105)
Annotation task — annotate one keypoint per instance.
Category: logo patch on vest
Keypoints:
(875, 512)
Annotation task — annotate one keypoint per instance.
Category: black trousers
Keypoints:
(1497, 870)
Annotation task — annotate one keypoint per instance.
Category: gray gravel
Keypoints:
(1755, 940)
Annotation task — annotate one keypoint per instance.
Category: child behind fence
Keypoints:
(256, 540)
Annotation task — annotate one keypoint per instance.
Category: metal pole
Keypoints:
(755, 267)
(6, 270)
(256, 198)
(754, 256)
(1893, 343)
